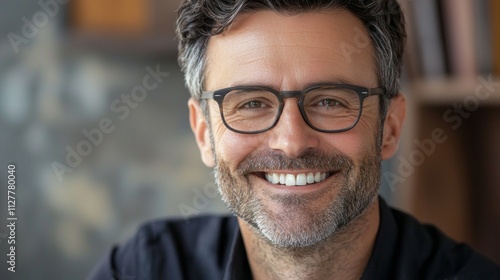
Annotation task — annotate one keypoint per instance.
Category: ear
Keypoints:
(200, 128)
(393, 124)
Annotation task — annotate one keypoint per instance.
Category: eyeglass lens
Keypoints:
(326, 108)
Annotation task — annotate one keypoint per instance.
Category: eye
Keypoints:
(329, 103)
(253, 104)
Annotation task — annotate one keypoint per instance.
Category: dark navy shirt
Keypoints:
(211, 247)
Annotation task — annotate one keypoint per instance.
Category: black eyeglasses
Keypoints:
(326, 107)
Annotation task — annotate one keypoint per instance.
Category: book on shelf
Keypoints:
(428, 37)
(483, 40)
(495, 31)
(458, 19)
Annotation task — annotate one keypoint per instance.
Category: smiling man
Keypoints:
(294, 104)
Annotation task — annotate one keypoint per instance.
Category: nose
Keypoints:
(292, 135)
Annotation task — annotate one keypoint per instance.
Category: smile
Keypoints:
(301, 179)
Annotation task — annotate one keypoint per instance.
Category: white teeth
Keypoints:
(317, 177)
(276, 178)
(310, 178)
(301, 179)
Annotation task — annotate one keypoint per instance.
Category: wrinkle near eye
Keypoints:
(369, 117)
(219, 129)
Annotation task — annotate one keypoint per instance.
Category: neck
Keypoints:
(343, 255)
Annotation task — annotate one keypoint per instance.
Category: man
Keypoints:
(294, 103)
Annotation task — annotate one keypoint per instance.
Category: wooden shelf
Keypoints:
(450, 91)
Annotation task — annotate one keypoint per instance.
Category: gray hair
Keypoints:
(198, 20)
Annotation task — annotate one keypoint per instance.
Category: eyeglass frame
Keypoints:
(363, 92)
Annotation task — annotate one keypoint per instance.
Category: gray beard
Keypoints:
(303, 225)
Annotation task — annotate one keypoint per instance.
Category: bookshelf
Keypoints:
(457, 186)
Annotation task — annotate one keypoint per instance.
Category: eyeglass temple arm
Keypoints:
(207, 95)
(376, 91)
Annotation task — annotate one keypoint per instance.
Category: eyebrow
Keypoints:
(332, 81)
(308, 85)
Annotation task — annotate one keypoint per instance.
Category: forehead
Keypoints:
(291, 51)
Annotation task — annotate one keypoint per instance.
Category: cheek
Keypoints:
(349, 143)
(357, 142)
(232, 147)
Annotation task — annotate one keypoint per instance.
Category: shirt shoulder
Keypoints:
(194, 248)
(427, 253)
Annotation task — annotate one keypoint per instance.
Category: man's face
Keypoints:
(290, 53)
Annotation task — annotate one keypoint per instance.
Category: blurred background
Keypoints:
(98, 152)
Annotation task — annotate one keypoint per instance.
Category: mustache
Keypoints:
(309, 160)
